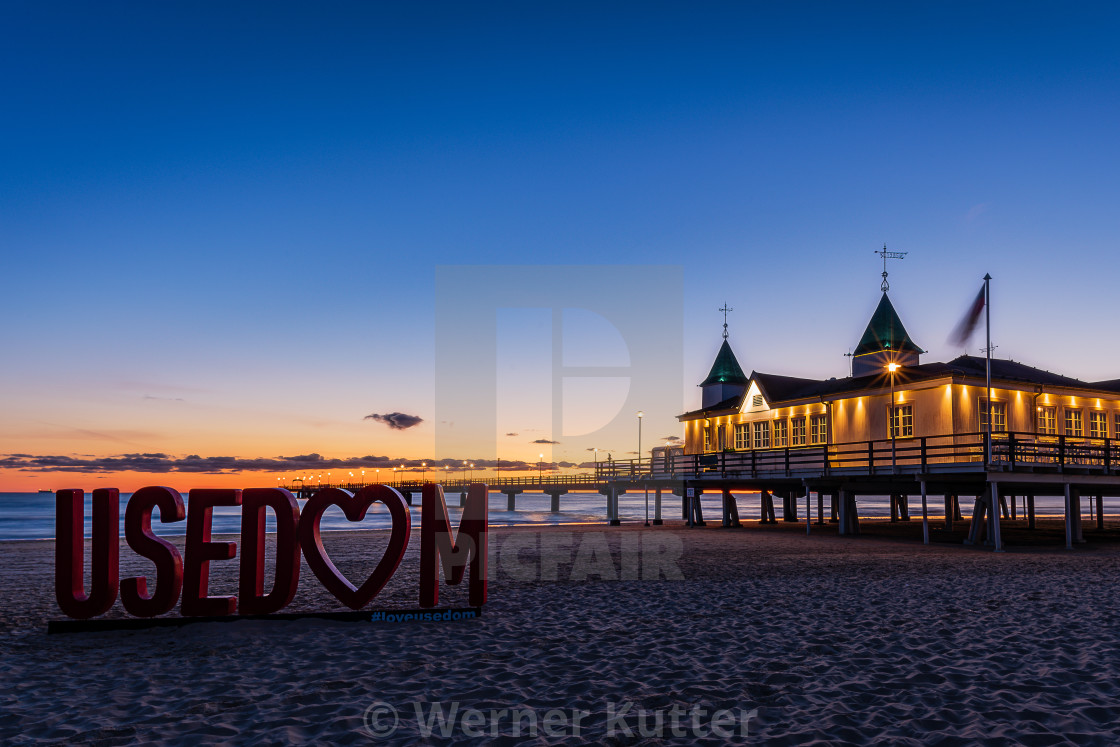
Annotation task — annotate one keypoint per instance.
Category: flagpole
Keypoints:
(988, 362)
(993, 491)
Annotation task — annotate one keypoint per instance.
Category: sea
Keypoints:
(31, 516)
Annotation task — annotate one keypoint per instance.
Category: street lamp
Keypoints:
(891, 418)
(540, 469)
(424, 473)
(640, 416)
(472, 472)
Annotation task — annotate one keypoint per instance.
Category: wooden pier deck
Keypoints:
(1023, 465)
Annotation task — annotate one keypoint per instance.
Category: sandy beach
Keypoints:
(745, 636)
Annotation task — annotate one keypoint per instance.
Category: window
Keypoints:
(797, 432)
(818, 429)
(902, 421)
(1098, 425)
(756, 400)
(1047, 421)
(762, 435)
(742, 436)
(1073, 423)
(707, 438)
(780, 431)
(999, 416)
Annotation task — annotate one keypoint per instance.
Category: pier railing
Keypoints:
(921, 454)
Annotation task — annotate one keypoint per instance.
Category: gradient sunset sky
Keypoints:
(221, 223)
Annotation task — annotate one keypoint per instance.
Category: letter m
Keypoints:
(469, 546)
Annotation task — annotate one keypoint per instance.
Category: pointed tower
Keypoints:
(726, 379)
(884, 341)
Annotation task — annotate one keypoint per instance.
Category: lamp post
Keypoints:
(891, 418)
(424, 474)
(640, 416)
(472, 473)
(540, 469)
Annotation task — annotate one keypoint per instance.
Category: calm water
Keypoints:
(31, 515)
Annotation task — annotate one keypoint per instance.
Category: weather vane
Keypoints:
(725, 308)
(888, 255)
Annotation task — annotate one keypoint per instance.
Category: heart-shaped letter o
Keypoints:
(355, 507)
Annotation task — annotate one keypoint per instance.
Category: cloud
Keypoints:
(544, 441)
(512, 434)
(672, 440)
(160, 463)
(976, 211)
(398, 421)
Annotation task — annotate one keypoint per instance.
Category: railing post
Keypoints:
(824, 450)
(723, 464)
(1107, 456)
(754, 463)
(924, 460)
(870, 457)
(1061, 453)
(1011, 449)
(787, 461)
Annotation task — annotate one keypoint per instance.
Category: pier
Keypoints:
(952, 468)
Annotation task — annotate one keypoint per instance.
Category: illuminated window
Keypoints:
(1098, 425)
(762, 435)
(1047, 421)
(707, 438)
(742, 436)
(902, 421)
(780, 433)
(999, 416)
(818, 429)
(797, 432)
(1073, 423)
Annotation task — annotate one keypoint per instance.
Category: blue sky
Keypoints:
(193, 194)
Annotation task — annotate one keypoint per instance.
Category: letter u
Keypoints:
(69, 564)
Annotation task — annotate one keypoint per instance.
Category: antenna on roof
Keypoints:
(988, 349)
(888, 255)
(725, 309)
(849, 355)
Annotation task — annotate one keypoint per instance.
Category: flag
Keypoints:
(967, 325)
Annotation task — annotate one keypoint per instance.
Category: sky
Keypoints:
(222, 223)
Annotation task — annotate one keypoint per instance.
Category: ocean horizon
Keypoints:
(31, 516)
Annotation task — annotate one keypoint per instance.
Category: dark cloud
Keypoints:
(544, 441)
(398, 421)
(672, 439)
(512, 434)
(159, 463)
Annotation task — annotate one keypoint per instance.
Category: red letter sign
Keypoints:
(200, 551)
(69, 547)
(436, 543)
(355, 507)
(252, 599)
(169, 566)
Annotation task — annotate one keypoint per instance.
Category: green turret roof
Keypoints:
(726, 369)
(885, 332)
